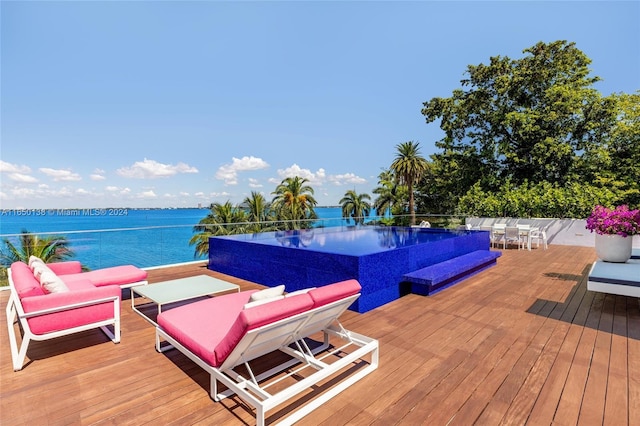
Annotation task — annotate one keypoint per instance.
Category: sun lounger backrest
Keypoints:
(258, 316)
(344, 292)
(332, 292)
(261, 336)
(320, 318)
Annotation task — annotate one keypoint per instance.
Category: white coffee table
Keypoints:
(179, 290)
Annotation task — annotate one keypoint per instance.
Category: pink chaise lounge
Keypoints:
(84, 300)
(227, 331)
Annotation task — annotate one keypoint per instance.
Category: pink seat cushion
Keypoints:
(201, 325)
(64, 268)
(117, 275)
(212, 328)
(332, 292)
(72, 317)
(77, 282)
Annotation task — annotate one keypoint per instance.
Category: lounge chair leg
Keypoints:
(259, 416)
(213, 388)
(17, 357)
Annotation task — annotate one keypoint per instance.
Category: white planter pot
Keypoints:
(613, 248)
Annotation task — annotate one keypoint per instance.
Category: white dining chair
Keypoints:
(498, 230)
(511, 235)
(538, 235)
(525, 235)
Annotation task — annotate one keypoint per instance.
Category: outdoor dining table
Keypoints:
(525, 232)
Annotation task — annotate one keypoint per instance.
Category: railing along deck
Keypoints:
(520, 343)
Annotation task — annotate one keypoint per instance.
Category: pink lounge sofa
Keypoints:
(90, 300)
(224, 332)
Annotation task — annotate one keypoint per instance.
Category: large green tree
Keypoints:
(523, 121)
(409, 166)
(294, 203)
(355, 206)
(613, 162)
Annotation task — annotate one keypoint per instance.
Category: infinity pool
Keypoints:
(377, 257)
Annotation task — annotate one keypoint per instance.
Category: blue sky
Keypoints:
(175, 104)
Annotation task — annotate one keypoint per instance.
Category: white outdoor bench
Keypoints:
(615, 278)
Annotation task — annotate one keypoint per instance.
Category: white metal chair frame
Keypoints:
(525, 235)
(288, 335)
(15, 312)
(498, 233)
(511, 234)
(539, 235)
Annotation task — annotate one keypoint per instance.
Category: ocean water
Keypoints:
(108, 237)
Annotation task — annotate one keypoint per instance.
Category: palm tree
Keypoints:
(355, 206)
(294, 201)
(390, 194)
(50, 249)
(222, 219)
(258, 212)
(409, 166)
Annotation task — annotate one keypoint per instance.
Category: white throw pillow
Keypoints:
(52, 283)
(39, 268)
(267, 293)
(34, 260)
(262, 302)
(303, 291)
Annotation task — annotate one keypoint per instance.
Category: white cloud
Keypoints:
(17, 173)
(316, 178)
(254, 183)
(20, 192)
(22, 178)
(220, 194)
(98, 174)
(13, 168)
(117, 190)
(150, 169)
(229, 172)
(346, 179)
(60, 174)
(147, 194)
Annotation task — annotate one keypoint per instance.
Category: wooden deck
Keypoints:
(521, 343)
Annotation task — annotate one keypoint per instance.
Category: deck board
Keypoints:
(521, 343)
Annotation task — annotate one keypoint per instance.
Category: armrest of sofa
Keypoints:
(57, 312)
(65, 268)
(57, 302)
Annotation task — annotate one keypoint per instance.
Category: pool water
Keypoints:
(355, 241)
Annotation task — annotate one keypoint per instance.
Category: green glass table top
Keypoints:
(184, 288)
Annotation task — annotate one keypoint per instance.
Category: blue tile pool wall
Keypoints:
(379, 274)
